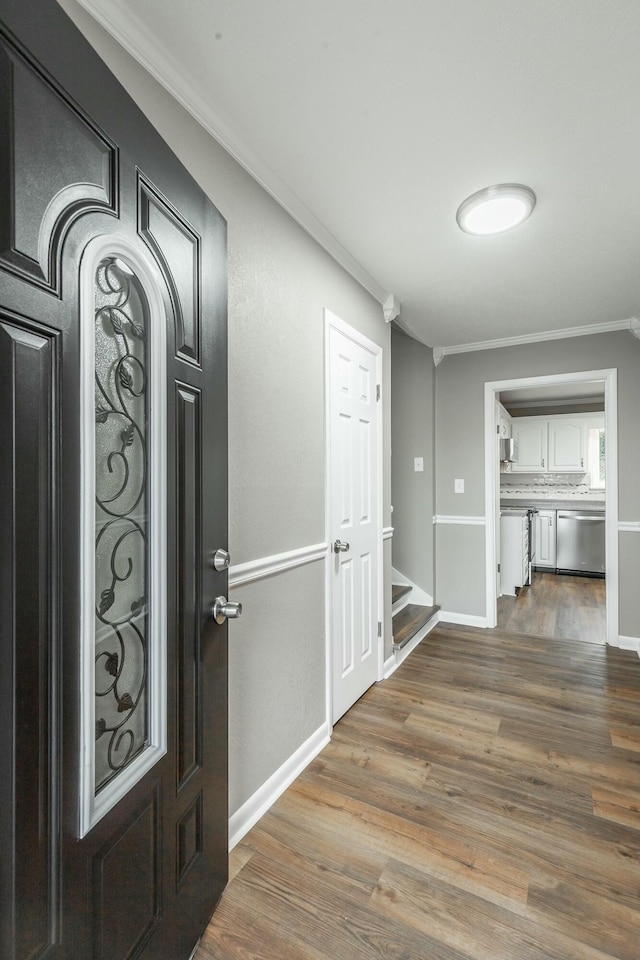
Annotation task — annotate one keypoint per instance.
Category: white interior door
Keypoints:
(354, 510)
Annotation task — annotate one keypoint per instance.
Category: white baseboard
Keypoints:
(252, 809)
(399, 656)
(389, 666)
(463, 619)
(629, 643)
(418, 595)
(398, 577)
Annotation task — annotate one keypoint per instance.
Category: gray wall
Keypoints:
(460, 380)
(412, 431)
(279, 282)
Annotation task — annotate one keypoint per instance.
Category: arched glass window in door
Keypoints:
(121, 519)
(123, 407)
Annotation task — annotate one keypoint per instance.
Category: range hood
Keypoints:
(508, 451)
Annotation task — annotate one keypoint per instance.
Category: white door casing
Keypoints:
(354, 511)
(492, 481)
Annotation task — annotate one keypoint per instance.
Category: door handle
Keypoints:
(223, 609)
(340, 547)
(563, 516)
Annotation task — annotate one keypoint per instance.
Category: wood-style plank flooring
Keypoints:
(481, 804)
(410, 619)
(557, 605)
(399, 590)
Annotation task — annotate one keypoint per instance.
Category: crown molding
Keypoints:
(401, 324)
(391, 308)
(632, 324)
(128, 30)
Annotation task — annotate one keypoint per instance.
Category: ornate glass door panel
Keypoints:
(121, 517)
(124, 541)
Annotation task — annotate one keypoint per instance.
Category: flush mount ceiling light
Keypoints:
(495, 209)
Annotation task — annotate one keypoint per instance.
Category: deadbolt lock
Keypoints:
(221, 560)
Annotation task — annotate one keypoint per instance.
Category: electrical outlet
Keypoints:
(418, 464)
(458, 486)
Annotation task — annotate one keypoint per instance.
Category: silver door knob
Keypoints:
(340, 546)
(221, 560)
(224, 609)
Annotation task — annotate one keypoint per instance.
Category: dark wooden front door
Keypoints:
(113, 500)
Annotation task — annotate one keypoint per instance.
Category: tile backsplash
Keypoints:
(524, 480)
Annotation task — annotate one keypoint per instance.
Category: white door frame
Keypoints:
(333, 321)
(492, 478)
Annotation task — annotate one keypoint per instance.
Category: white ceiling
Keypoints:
(592, 390)
(371, 120)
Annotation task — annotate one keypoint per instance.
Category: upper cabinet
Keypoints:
(567, 445)
(504, 422)
(558, 444)
(530, 434)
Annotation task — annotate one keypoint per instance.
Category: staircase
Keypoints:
(411, 621)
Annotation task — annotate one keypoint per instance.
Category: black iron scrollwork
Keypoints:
(121, 520)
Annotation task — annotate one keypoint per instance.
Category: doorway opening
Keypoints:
(555, 487)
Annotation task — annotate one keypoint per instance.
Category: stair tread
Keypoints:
(399, 590)
(409, 620)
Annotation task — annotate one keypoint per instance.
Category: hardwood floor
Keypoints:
(481, 804)
(409, 620)
(556, 605)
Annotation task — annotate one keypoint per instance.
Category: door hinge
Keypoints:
(377, 391)
(498, 568)
(497, 428)
(379, 628)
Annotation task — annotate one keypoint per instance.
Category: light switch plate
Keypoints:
(458, 486)
(418, 464)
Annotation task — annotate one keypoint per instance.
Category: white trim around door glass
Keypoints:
(94, 806)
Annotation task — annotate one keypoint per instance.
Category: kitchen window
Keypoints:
(596, 459)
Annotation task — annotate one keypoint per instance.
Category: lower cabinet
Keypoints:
(545, 539)
(514, 552)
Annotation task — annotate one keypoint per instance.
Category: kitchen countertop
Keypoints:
(554, 500)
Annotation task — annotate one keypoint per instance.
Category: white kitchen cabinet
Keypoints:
(530, 434)
(504, 423)
(553, 444)
(514, 552)
(545, 522)
(567, 445)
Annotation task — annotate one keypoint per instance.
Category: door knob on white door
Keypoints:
(340, 546)
(224, 609)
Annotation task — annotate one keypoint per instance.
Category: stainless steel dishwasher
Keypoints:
(580, 542)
